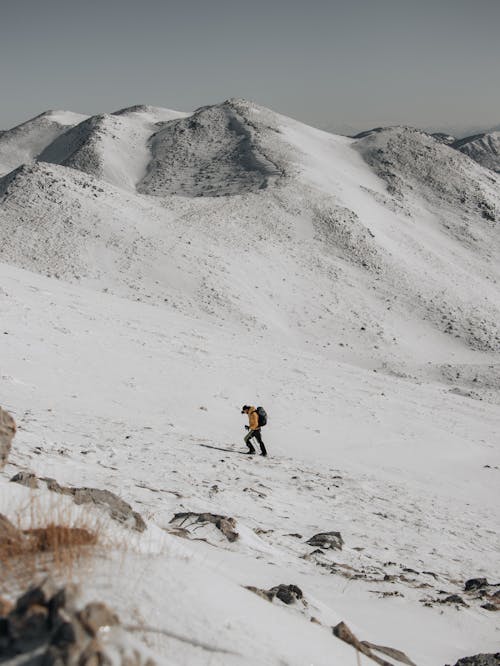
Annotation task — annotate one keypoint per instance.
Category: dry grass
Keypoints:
(47, 537)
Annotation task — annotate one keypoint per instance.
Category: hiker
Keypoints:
(253, 428)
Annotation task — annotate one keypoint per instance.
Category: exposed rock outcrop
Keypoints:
(224, 524)
(117, 508)
(475, 584)
(479, 589)
(7, 432)
(27, 479)
(288, 594)
(480, 660)
(327, 540)
(46, 627)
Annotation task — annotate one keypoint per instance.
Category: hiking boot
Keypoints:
(249, 453)
(263, 454)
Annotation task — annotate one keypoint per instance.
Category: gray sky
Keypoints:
(355, 63)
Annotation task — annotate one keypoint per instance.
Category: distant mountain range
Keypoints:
(484, 148)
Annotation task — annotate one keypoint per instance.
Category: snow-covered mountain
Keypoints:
(443, 137)
(110, 146)
(236, 196)
(483, 148)
(25, 142)
(159, 269)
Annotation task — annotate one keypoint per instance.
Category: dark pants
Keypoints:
(256, 434)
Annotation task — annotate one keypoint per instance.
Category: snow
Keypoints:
(68, 118)
(23, 143)
(212, 153)
(483, 148)
(113, 147)
(147, 294)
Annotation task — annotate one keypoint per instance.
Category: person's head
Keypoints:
(245, 409)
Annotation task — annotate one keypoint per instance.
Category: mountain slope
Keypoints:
(159, 271)
(110, 146)
(23, 143)
(215, 152)
(356, 237)
(146, 402)
(483, 148)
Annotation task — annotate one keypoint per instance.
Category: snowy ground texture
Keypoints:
(160, 269)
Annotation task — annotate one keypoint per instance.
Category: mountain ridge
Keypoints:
(304, 192)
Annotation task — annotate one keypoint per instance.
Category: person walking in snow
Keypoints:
(253, 428)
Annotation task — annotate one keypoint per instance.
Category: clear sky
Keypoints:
(331, 63)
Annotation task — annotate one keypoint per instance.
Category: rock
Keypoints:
(7, 432)
(27, 624)
(327, 540)
(475, 584)
(288, 594)
(490, 607)
(64, 636)
(224, 524)
(43, 628)
(116, 507)
(96, 615)
(27, 479)
(480, 660)
(30, 628)
(343, 632)
(453, 599)
(61, 599)
(4, 637)
(38, 595)
(318, 551)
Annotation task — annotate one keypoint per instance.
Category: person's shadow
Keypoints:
(218, 448)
